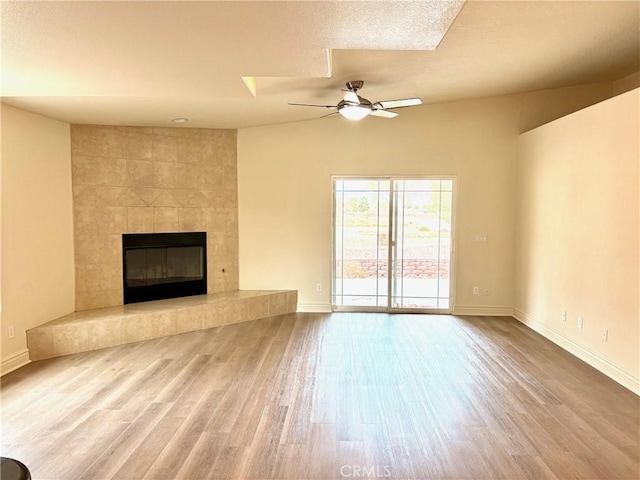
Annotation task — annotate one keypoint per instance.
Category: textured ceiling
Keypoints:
(145, 62)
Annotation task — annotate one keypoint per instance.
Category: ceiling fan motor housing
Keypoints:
(363, 103)
(355, 85)
(355, 107)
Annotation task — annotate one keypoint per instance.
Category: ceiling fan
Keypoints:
(354, 107)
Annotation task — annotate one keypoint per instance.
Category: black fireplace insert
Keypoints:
(163, 265)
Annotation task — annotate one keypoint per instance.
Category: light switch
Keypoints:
(480, 237)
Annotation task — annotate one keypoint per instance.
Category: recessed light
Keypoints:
(180, 120)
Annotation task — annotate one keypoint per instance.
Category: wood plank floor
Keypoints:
(313, 396)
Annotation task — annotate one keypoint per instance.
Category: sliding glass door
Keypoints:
(392, 243)
(361, 243)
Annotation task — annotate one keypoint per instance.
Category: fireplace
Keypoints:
(163, 265)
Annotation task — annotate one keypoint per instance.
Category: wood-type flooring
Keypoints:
(324, 396)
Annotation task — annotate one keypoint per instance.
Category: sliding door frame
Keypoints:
(392, 237)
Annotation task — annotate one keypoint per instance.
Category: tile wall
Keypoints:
(150, 180)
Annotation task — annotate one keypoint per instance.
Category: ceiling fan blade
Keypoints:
(383, 113)
(351, 97)
(405, 102)
(329, 115)
(309, 105)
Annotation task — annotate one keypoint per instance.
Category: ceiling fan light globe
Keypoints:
(354, 112)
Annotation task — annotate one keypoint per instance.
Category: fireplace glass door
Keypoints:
(166, 265)
(157, 265)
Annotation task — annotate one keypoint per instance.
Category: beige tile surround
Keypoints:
(107, 327)
(150, 180)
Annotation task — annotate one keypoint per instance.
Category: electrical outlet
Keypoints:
(580, 323)
(605, 335)
(487, 292)
(318, 287)
(476, 290)
(12, 332)
(564, 315)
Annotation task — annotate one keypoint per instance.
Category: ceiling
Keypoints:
(147, 62)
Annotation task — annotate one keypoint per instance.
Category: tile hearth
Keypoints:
(107, 327)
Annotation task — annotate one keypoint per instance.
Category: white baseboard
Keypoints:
(495, 311)
(482, 310)
(14, 362)
(314, 307)
(594, 359)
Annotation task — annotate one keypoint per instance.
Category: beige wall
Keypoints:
(544, 106)
(285, 192)
(577, 234)
(284, 174)
(146, 180)
(37, 227)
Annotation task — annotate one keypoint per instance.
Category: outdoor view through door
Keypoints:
(392, 243)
